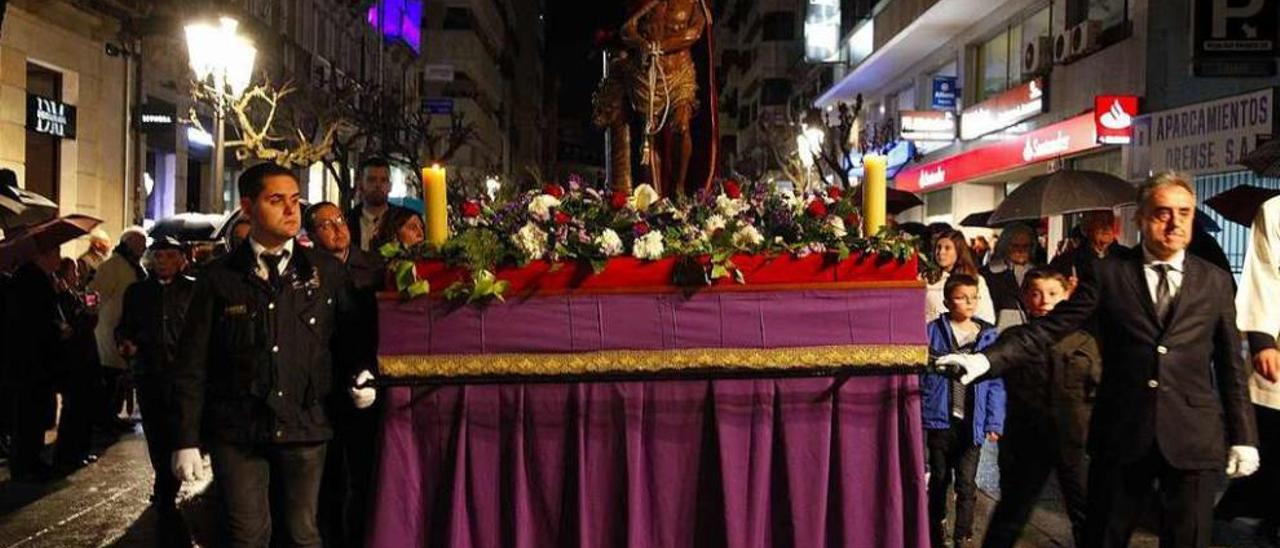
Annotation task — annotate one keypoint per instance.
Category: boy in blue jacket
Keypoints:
(958, 419)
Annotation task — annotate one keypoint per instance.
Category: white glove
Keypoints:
(363, 397)
(187, 464)
(1242, 461)
(975, 365)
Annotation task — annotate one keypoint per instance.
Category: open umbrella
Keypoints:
(1205, 222)
(1241, 203)
(188, 227)
(21, 207)
(20, 245)
(1264, 160)
(896, 201)
(1062, 192)
(981, 219)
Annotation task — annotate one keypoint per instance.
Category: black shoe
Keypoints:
(39, 474)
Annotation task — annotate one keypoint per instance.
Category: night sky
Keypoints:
(571, 52)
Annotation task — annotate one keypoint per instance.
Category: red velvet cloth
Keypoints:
(629, 272)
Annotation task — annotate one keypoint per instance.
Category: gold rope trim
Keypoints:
(652, 361)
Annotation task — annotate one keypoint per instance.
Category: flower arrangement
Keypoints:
(576, 223)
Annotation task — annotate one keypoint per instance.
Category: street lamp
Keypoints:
(222, 60)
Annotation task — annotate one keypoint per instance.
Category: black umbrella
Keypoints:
(896, 201)
(21, 207)
(1264, 160)
(188, 227)
(21, 244)
(1062, 192)
(1241, 203)
(1205, 222)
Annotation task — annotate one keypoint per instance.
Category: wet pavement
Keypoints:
(107, 504)
(104, 504)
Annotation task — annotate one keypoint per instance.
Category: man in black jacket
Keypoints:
(148, 333)
(1172, 406)
(348, 477)
(375, 187)
(255, 368)
(32, 332)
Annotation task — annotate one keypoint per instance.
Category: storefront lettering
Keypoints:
(1214, 117)
(51, 117)
(1208, 137)
(933, 177)
(1036, 149)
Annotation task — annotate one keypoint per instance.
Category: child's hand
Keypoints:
(993, 436)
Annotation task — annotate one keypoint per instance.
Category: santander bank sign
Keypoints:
(1067, 137)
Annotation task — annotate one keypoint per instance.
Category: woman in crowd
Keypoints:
(399, 225)
(952, 254)
(1012, 259)
(78, 380)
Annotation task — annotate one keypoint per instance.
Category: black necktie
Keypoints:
(273, 269)
(1163, 293)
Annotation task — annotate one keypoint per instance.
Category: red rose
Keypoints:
(618, 200)
(470, 209)
(640, 229)
(554, 190)
(835, 193)
(732, 190)
(817, 209)
(562, 218)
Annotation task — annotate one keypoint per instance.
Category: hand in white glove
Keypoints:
(187, 464)
(363, 397)
(973, 365)
(1242, 461)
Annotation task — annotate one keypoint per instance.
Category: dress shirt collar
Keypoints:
(1176, 262)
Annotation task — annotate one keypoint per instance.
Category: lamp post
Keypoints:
(222, 60)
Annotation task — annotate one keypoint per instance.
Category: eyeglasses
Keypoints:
(331, 224)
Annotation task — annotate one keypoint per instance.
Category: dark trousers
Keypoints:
(79, 406)
(1118, 493)
(953, 458)
(115, 393)
(270, 485)
(157, 411)
(1029, 451)
(31, 407)
(348, 478)
(1254, 496)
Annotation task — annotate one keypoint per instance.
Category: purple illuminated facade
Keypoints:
(399, 19)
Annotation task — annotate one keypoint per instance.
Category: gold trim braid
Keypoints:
(653, 361)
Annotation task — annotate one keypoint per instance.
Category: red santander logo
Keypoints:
(1113, 118)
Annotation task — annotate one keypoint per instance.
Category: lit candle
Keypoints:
(873, 193)
(437, 206)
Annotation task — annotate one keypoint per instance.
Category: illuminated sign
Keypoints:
(399, 19)
(822, 31)
(1113, 115)
(927, 125)
(51, 117)
(1068, 137)
(1006, 109)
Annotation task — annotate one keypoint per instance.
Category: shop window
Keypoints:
(999, 59)
(43, 152)
(778, 26)
(937, 204)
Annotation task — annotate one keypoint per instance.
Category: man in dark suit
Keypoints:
(255, 369)
(33, 334)
(150, 326)
(374, 187)
(1172, 406)
(348, 476)
(1099, 242)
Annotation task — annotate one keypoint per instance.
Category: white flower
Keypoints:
(714, 223)
(836, 225)
(728, 206)
(797, 203)
(532, 240)
(747, 237)
(541, 205)
(649, 246)
(609, 243)
(644, 196)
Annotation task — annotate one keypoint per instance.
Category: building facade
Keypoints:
(63, 99)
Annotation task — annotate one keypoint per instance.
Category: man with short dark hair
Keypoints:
(32, 336)
(348, 477)
(374, 187)
(1098, 242)
(256, 367)
(1172, 407)
(149, 330)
